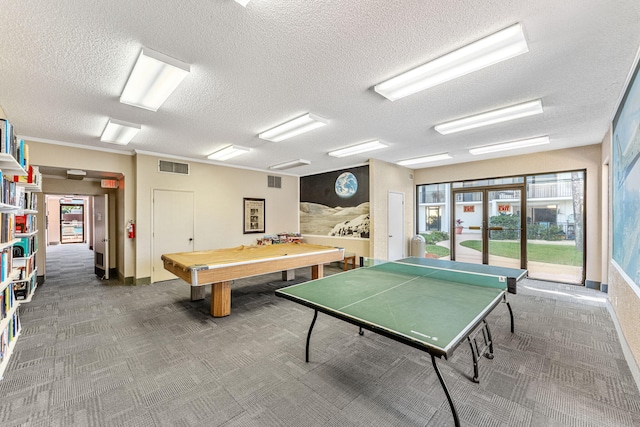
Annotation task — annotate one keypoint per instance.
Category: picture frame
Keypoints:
(625, 151)
(253, 215)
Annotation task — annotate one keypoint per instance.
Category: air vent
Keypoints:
(173, 167)
(274, 181)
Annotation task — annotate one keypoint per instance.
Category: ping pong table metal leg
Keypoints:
(446, 391)
(486, 332)
(510, 312)
(474, 354)
(313, 322)
(475, 350)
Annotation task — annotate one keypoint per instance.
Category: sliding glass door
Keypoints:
(467, 227)
(487, 226)
(504, 234)
(536, 222)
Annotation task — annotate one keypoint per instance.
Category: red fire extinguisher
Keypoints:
(131, 230)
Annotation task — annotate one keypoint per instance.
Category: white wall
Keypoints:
(219, 193)
(385, 177)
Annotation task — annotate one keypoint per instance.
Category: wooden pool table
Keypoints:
(219, 267)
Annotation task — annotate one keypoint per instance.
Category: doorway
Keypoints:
(487, 226)
(72, 224)
(395, 226)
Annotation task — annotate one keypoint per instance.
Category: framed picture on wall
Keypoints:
(626, 176)
(253, 216)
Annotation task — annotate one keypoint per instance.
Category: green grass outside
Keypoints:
(553, 254)
(440, 251)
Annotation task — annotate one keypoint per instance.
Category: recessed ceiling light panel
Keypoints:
(154, 77)
(290, 164)
(358, 148)
(293, 128)
(228, 152)
(425, 159)
(513, 145)
(512, 112)
(490, 50)
(119, 132)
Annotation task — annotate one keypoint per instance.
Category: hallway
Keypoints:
(69, 262)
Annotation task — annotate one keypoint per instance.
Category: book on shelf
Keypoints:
(25, 246)
(4, 344)
(26, 267)
(25, 223)
(6, 227)
(8, 141)
(14, 326)
(21, 158)
(7, 263)
(8, 192)
(33, 175)
(21, 289)
(8, 299)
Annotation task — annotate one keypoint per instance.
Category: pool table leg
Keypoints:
(288, 275)
(220, 299)
(198, 293)
(317, 271)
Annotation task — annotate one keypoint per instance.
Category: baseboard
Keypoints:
(626, 351)
(125, 280)
(591, 284)
(604, 288)
(40, 280)
(142, 281)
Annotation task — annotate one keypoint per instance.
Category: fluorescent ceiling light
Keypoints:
(228, 152)
(243, 2)
(513, 112)
(294, 127)
(357, 149)
(510, 145)
(427, 159)
(490, 50)
(119, 132)
(154, 77)
(291, 164)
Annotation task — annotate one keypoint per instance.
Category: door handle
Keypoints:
(191, 239)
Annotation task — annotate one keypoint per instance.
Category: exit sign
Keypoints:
(109, 183)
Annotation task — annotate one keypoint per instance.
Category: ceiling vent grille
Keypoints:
(274, 181)
(173, 167)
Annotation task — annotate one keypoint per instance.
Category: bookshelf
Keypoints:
(19, 183)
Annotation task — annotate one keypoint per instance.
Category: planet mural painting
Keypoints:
(346, 185)
(336, 203)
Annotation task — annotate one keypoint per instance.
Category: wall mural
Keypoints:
(335, 203)
(626, 182)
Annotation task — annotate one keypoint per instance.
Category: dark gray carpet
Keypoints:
(95, 353)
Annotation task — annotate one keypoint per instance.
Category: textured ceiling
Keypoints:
(63, 66)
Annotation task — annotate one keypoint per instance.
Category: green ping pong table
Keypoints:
(428, 307)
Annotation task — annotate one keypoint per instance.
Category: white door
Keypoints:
(172, 228)
(101, 235)
(395, 216)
